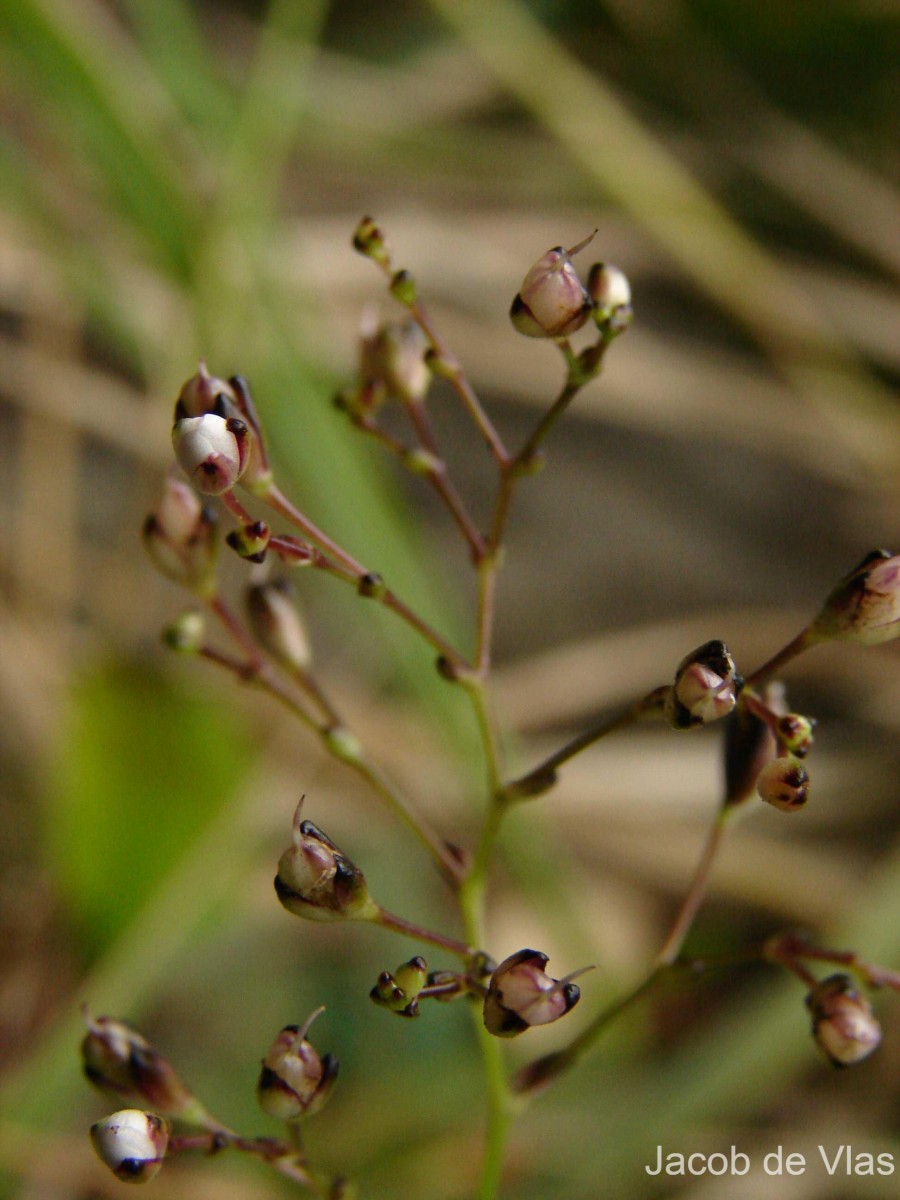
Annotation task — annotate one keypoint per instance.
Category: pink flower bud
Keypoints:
(317, 882)
(131, 1143)
(522, 994)
(180, 537)
(705, 688)
(122, 1063)
(295, 1082)
(865, 606)
(552, 301)
(784, 784)
(843, 1024)
(212, 451)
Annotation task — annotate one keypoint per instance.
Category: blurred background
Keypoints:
(181, 179)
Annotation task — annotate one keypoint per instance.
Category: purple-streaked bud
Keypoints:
(552, 301)
(865, 605)
(295, 1082)
(122, 1063)
(131, 1143)
(843, 1024)
(212, 451)
(180, 537)
(784, 783)
(278, 625)
(204, 393)
(317, 882)
(705, 688)
(610, 291)
(522, 994)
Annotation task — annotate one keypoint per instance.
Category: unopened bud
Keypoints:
(277, 624)
(186, 633)
(522, 994)
(397, 360)
(552, 301)
(748, 746)
(370, 241)
(122, 1063)
(212, 451)
(705, 688)
(865, 606)
(403, 288)
(610, 291)
(295, 1082)
(131, 1143)
(180, 537)
(784, 784)
(399, 991)
(250, 541)
(843, 1024)
(795, 732)
(204, 393)
(317, 882)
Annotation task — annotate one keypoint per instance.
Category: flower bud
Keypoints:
(370, 241)
(122, 1063)
(277, 624)
(865, 605)
(397, 359)
(795, 732)
(186, 633)
(705, 688)
(295, 1082)
(316, 881)
(784, 783)
(552, 301)
(180, 537)
(212, 451)
(250, 541)
(399, 991)
(609, 289)
(131, 1143)
(522, 994)
(204, 393)
(748, 746)
(843, 1024)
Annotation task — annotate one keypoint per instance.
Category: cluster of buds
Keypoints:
(843, 1024)
(706, 687)
(865, 605)
(295, 1081)
(399, 991)
(521, 994)
(553, 302)
(316, 881)
(132, 1143)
